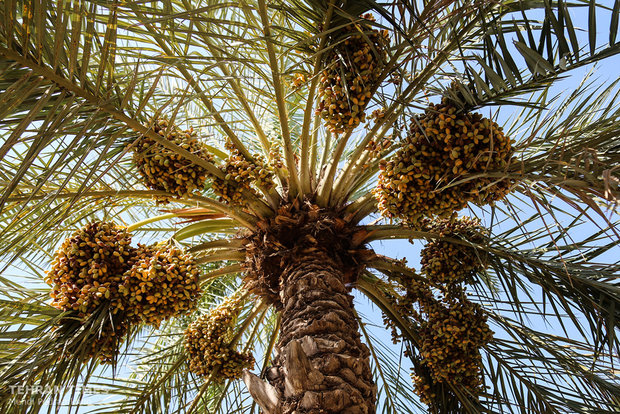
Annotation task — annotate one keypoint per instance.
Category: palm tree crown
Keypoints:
(193, 190)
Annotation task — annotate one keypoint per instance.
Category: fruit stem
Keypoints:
(151, 220)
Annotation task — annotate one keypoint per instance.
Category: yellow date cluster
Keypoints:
(242, 175)
(88, 268)
(164, 170)
(433, 173)
(451, 328)
(161, 283)
(353, 69)
(96, 270)
(210, 343)
(452, 336)
(447, 262)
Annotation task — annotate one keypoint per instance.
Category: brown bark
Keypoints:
(321, 365)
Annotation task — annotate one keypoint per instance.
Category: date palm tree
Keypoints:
(277, 143)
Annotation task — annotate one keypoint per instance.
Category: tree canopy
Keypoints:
(245, 136)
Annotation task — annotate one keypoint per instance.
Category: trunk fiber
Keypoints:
(321, 365)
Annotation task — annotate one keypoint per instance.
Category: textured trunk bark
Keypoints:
(321, 366)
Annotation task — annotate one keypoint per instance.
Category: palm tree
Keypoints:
(266, 145)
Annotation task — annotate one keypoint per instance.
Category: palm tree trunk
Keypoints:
(321, 365)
